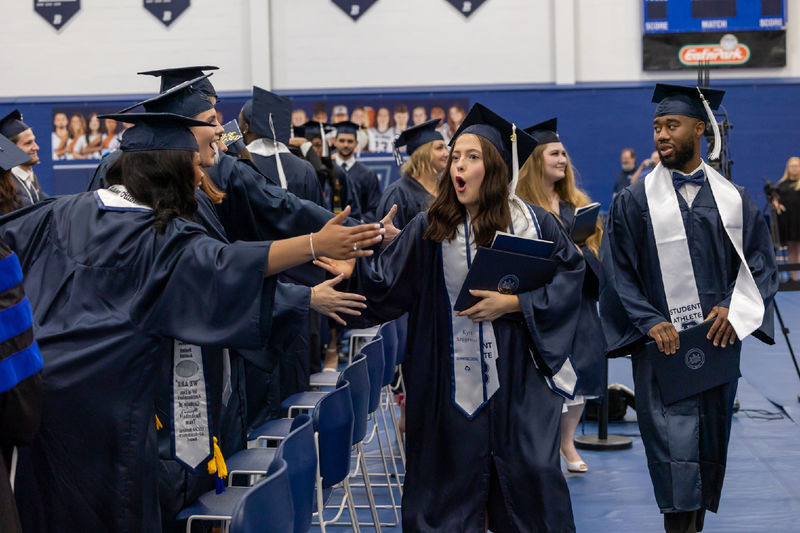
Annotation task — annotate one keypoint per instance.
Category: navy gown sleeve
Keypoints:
(208, 293)
(406, 208)
(626, 233)
(551, 312)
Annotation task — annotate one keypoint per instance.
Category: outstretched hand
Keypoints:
(391, 230)
(337, 267)
(491, 306)
(345, 242)
(329, 302)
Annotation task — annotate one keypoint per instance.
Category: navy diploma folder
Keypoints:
(505, 272)
(697, 366)
(522, 245)
(585, 222)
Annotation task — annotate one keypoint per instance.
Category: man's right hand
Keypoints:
(666, 337)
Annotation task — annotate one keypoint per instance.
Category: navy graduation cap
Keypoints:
(10, 154)
(233, 138)
(416, 136)
(346, 126)
(170, 77)
(544, 132)
(513, 144)
(12, 124)
(686, 101)
(312, 129)
(269, 115)
(157, 131)
(694, 102)
(186, 99)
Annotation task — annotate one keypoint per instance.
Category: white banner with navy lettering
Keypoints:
(57, 13)
(747, 307)
(189, 405)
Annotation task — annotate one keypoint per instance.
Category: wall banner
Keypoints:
(166, 10)
(466, 7)
(354, 8)
(57, 13)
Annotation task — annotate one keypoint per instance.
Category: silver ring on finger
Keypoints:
(355, 246)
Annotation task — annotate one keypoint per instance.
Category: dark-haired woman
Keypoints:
(482, 431)
(113, 277)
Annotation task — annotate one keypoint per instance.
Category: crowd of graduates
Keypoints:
(227, 272)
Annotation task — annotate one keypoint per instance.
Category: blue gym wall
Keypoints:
(595, 122)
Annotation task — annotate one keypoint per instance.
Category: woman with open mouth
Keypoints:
(482, 433)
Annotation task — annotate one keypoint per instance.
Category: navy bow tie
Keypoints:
(679, 180)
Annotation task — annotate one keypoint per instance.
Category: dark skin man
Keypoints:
(677, 140)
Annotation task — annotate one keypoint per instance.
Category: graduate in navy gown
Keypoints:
(265, 122)
(363, 180)
(482, 434)
(685, 245)
(131, 273)
(416, 188)
(547, 179)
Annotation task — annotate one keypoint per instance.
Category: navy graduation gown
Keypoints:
(686, 442)
(108, 294)
(367, 190)
(507, 456)
(409, 195)
(588, 348)
(301, 179)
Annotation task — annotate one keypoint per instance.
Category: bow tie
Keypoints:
(679, 180)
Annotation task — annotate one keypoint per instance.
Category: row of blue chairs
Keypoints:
(314, 454)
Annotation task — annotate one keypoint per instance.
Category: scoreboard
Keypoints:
(684, 16)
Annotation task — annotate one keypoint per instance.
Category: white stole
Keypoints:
(747, 307)
(264, 148)
(473, 347)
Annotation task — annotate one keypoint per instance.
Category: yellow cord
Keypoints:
(217, 464)
(159, 425)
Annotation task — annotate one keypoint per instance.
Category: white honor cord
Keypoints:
(281, 174)
(13, 474)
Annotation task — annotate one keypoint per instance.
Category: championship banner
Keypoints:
(354, 8)
(683, 34)
(466, 7)
(57, 13)
(166, 10)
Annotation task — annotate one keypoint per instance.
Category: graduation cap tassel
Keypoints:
(325, 152)
(514, 160)
(398, 157)
(281, 174)
(218, 467)
(714, 155)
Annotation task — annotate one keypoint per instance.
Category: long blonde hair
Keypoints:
(420, 162)
(531, 189)
(786, 173)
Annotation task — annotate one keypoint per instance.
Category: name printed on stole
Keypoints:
(190, 424)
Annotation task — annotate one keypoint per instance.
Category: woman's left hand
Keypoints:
(329, 302)
(492, 306)
(391, 230)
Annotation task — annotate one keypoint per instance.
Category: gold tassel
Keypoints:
(217, 464)
(159, 425)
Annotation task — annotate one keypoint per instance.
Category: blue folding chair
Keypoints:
(297, 450)
(267, 506)
(333, 425)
